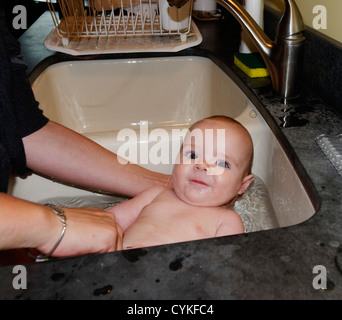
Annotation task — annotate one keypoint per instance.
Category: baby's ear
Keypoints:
(245, 184)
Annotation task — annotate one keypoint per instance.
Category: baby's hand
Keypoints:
(127, 212)
(120, 217)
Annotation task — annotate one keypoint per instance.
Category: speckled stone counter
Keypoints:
(273, 264)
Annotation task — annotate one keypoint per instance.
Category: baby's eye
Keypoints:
(222, 164)
(191, 155)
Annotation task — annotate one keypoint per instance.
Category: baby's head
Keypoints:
(214, 163)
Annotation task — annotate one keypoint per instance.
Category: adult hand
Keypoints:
(89, 230)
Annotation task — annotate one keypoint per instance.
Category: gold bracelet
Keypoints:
(61, 214)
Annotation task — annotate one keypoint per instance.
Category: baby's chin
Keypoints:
(198, 200)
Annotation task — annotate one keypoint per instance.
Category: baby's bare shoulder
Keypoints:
(230, 222)
(225, 211)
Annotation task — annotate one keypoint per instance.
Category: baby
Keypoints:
(212, 170)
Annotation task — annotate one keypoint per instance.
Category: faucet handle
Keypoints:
(291, 22)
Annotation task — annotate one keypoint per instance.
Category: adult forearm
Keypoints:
(25, 224)
(66, 155)
(29, 225)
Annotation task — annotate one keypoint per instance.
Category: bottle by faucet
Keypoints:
(284, 56)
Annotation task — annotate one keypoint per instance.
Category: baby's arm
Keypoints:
(230, 224)
(127, 212)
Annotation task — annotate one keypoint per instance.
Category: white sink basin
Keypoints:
(99, 98)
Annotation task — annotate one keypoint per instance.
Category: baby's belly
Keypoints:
(144, 235)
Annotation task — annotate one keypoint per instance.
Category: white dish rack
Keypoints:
(82, 27)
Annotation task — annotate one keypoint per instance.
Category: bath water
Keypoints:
(254, 207)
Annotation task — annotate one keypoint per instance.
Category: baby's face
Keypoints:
(212, 166)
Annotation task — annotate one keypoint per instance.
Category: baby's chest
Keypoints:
(194, 221)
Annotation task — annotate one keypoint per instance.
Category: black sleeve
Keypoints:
(19, 112)
(29, 117)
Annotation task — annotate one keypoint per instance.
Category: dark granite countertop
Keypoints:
(272, 264)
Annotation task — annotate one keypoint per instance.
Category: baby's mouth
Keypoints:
(199, 182)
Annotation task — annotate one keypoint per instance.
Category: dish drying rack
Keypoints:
(112, 26)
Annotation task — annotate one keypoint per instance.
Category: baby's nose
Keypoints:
(208, 169)
(201, 166)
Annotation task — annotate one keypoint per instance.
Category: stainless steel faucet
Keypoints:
(284, 56)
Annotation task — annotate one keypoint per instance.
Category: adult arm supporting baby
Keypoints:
(63, 154)
(89, 230)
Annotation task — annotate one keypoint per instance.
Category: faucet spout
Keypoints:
(284, 56)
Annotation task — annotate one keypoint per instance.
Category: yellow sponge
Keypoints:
(251, 64)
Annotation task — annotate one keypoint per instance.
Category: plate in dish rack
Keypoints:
(128, 44)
